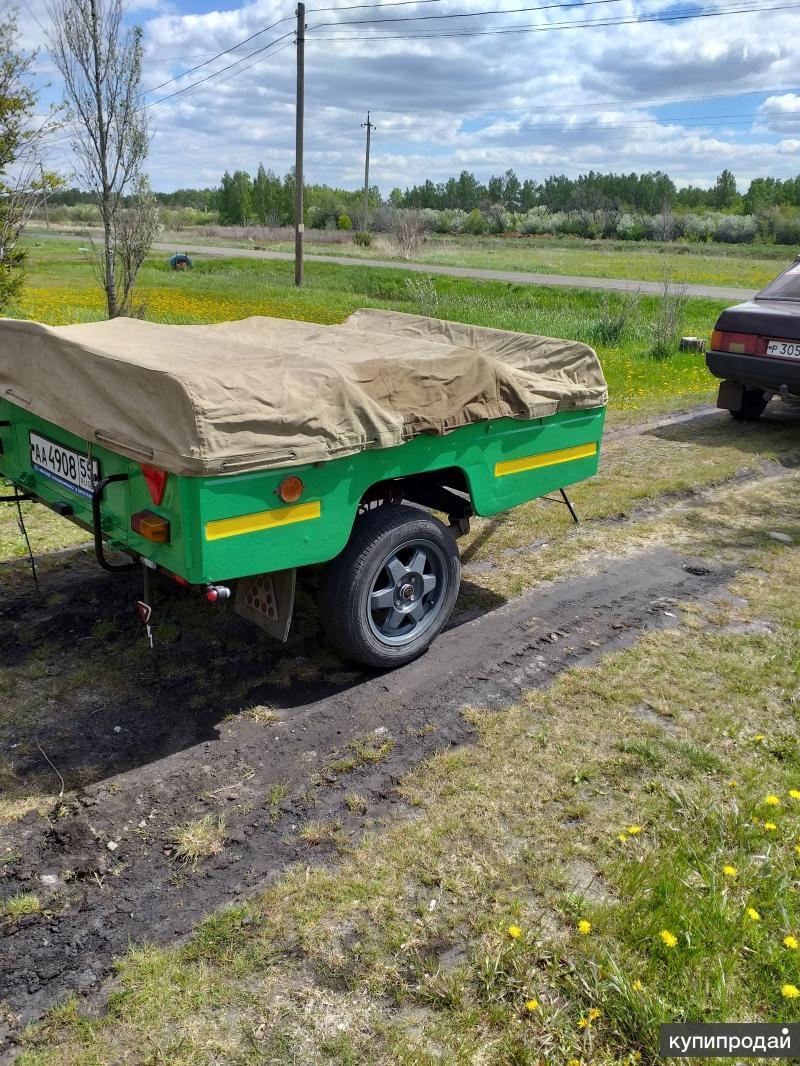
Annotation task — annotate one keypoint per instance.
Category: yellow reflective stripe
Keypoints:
(254, 523)
(534, 462)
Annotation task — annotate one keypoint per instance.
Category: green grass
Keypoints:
(456, 935)
(61, 288)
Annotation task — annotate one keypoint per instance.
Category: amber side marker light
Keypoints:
(290, 489)
(151, 526)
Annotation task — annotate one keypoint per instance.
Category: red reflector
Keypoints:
(737, 343)
(156, 482)
(151, 526)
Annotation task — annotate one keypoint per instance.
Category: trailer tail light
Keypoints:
(156, 481)
(736, 343)
(290, 489)
(151, 526)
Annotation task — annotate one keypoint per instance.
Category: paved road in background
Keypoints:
(517, 277)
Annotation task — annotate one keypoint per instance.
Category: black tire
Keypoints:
(386, 597)
(754, 403)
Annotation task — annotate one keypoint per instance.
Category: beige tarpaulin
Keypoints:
(264, 392)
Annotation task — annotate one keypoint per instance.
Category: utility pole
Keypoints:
(46, 205)
(298, 151)
(369, 128)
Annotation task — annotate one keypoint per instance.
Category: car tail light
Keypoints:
(151, 526)
(736, 343)
(156, 482)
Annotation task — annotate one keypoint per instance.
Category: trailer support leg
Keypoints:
(568, 502)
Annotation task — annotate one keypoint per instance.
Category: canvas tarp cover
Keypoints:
(221, 399)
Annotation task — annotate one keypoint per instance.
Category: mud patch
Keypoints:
(268, 778)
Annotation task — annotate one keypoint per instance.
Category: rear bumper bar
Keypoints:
(757, 372)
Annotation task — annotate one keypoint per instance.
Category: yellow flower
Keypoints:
(790, 992)
(584, 927)
(637, 985)
(669, 938)
(770, 827)
(791, 942)
(772, 801)
(794, 793)
(594, 1014)
(634, 829)
(733, 784)
(514, 932)
(532, 1005)
(574, 1062)
(730, 871)
(797, 848)
(583, 1023)
(753, 914)
(622, 838)
(759, 738)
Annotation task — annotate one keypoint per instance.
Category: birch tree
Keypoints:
(100, 60)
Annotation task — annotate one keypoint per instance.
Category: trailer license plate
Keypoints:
(784, 349)
(66, 467)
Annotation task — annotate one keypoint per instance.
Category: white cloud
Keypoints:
(541, 102)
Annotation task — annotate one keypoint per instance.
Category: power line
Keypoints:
(466, 14)
(219, 55)
(354, 7)
(548, 27)
(216, 73)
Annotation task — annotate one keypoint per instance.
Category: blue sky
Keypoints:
(689, 96)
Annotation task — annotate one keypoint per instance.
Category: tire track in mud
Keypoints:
(488, 661)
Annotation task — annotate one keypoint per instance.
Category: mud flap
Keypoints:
(730, 396)
(267, 600)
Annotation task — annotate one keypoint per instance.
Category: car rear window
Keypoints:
(785, 287)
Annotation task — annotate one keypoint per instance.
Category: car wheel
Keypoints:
(386, 597)
(754, 403)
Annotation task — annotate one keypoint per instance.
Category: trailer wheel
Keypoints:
(754, 403)
(385, 598)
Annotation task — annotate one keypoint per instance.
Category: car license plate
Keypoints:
(65, 466)
(784, 349)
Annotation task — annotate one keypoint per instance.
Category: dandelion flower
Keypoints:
(584, 927)
(669, 938)
(794, 793)
(532, 1005)
(791, 942)
(514, 932)
(770, 827)
(790, 992)
(622, 838)
(574, 1062)
(733, 784)
(594, 1014)
(637, 985)
(753, 914)
(759, 738)
(583, 1023)
(730, 871)
(634, 829)
(772, 801)
(797, 848)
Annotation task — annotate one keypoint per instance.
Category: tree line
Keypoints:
(268, 199)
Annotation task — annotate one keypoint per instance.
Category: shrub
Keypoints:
(668, 321)
(363, 238)
(409, 232)
(615, 314)
(736, 229)
(475, 223)
(787, 228)
(632, 228)
(699, 227)
(344, 222)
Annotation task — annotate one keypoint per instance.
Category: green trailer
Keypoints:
(228, 456)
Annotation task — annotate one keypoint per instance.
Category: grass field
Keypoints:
(743, 266)
(61, 289)
(619, 850)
